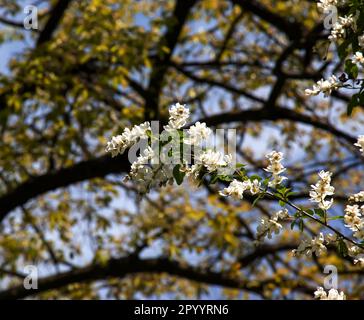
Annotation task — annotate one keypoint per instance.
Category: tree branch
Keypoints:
(292, 29)
(102, 166)
(98, 167)
(161, 63)
(126, 266)
(53, 21)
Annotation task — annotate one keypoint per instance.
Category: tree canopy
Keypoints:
(96, 67)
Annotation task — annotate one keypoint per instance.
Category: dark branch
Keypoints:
(292, 29)
(81, 171)
(123, 267)
(53, 21)
(165, 50)
(105, 165)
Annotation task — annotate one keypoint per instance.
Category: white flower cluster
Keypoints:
(358, 197)
(147, 175)
(275, 167)
(359, 262)
(340, 26)
(148, 171)
(329, 5)
(208, 161)
(237, 188)
(333, 294)
(270, 226)
(118, 144)
(310, 246)
(360, 144)
(354, 221)
(358, 58)
(324, 86)
(357, 253)
(178, 115)
(339, 29)
(321, 190)
(361, 41)
(197, 133)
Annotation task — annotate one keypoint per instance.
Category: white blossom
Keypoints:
(324, 86)
(269, 226)
(327, 5)
(358, 58)
(359, 234)
(352, 217)
(331, 237)
(360, 143)
(197, 133)
(311, 246)
(146, 174)
(359, 262)
(361, 41)
(321, 294)
(118, 144)
(353, 250)
(275, 167)
(339, 29)
(358, 197)
(254, 186)
(213, 160)
(178, 115)
(321, 190)
(235, 189)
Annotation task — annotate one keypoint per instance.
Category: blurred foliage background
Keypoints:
(95, 67)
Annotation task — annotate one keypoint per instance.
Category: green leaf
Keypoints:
(351, 69)
(336, 218)
(224, 178)
(214, 178)
(355, 101)
(343, 49)
(321, 213)
(300, 225)
(177, 174)
(342, 247)
(257, 199)
(291, 194)
(255, 177)
(266, 182)
(293, 224)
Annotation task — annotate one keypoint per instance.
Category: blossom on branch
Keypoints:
(118, 144)
(197, 133)
(334, 294)
(270, 226)
(178, 115)
(324, 86)
(275, 167)
(235, 189)
(360, 143)
(311, 246)
(358, 58)
(358, 197)
(321, 190)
